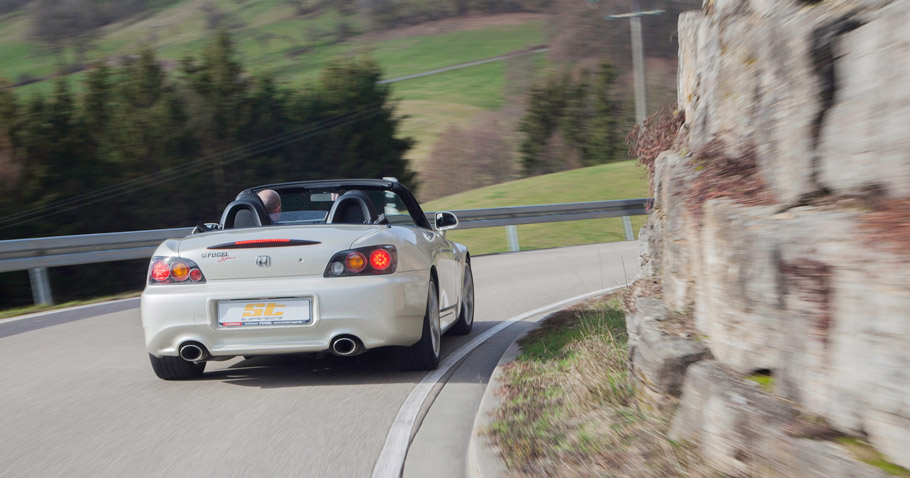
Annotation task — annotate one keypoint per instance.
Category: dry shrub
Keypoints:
(655, 135)
(722, 176)
(468, 158)
(889, 225)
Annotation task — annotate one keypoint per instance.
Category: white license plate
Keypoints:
(264, 312)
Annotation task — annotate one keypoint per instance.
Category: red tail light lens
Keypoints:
(380, 259)
(373, 260)
(174, 270)
(160, 271)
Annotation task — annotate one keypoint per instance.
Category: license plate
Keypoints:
(264, 312)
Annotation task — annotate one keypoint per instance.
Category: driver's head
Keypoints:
(272, 202)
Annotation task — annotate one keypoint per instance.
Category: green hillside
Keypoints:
(272, 37)
(623, 180)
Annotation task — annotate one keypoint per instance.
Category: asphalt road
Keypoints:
(78, 397)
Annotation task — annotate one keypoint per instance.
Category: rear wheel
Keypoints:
(175, 368)
(424, 355)
(466, 316)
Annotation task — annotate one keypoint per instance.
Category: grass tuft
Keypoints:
(766, 381)
(571, 408)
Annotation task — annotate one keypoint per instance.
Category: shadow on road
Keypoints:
(307, 370)
(280, 371)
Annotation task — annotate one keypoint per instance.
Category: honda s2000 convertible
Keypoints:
(344, 267)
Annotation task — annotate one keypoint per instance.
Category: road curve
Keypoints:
(79, 398)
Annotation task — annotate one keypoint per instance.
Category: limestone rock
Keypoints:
(673, 175)
(739, 286)
(865, 141)
(743, 431)
(657, 358)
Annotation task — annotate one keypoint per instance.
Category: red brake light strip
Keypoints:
(252, 243)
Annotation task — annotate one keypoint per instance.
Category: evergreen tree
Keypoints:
(584, 111)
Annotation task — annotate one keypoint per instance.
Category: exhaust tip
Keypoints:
(192, 352)
(346, 346)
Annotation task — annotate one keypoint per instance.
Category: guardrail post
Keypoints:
(627, 226)
(41, 286)
(512, 236)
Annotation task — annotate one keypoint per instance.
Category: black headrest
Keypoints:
(246, 211)
(352, 207)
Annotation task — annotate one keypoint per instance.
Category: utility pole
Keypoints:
(638, 57)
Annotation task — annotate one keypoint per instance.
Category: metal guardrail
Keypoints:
(38, 254)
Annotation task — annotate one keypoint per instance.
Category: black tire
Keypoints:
(175, 368)
(466, 315)
(424, 355)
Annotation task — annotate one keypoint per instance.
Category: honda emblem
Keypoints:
(263, 261)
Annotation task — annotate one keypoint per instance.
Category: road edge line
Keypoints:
(395, 449)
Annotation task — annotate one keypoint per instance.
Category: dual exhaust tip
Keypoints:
(193, 352)
(345, 346)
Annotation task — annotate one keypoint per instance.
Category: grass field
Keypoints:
(272, 39)
(623, 180)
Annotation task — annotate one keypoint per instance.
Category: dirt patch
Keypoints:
(724, 176)
(470, 22)
(640, 288)
(889, 226)
(681, 324)
(811, 282)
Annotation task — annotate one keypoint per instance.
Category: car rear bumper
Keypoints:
(379, 310)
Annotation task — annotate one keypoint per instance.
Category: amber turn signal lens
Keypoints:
(180, 271)
(355, 261)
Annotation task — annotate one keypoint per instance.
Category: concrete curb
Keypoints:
(483, 457)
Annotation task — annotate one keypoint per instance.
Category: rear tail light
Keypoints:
(174, 270)
(373, 260)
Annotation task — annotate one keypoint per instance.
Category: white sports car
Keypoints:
(346, 266)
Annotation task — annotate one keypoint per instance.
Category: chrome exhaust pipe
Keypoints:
(346, 346)
(192, 352)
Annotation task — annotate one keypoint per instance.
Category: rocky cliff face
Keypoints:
(781, 228)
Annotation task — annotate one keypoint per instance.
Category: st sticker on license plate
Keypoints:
(266, 312)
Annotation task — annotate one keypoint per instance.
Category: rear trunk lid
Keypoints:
(270, 251)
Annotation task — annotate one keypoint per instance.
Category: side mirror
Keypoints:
(446, 221)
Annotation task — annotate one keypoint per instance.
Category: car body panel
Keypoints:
(380, 310)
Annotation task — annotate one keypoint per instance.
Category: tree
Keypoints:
(546, 103)
(362, 140)
(586, 114)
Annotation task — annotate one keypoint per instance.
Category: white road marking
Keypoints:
(395, 450)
